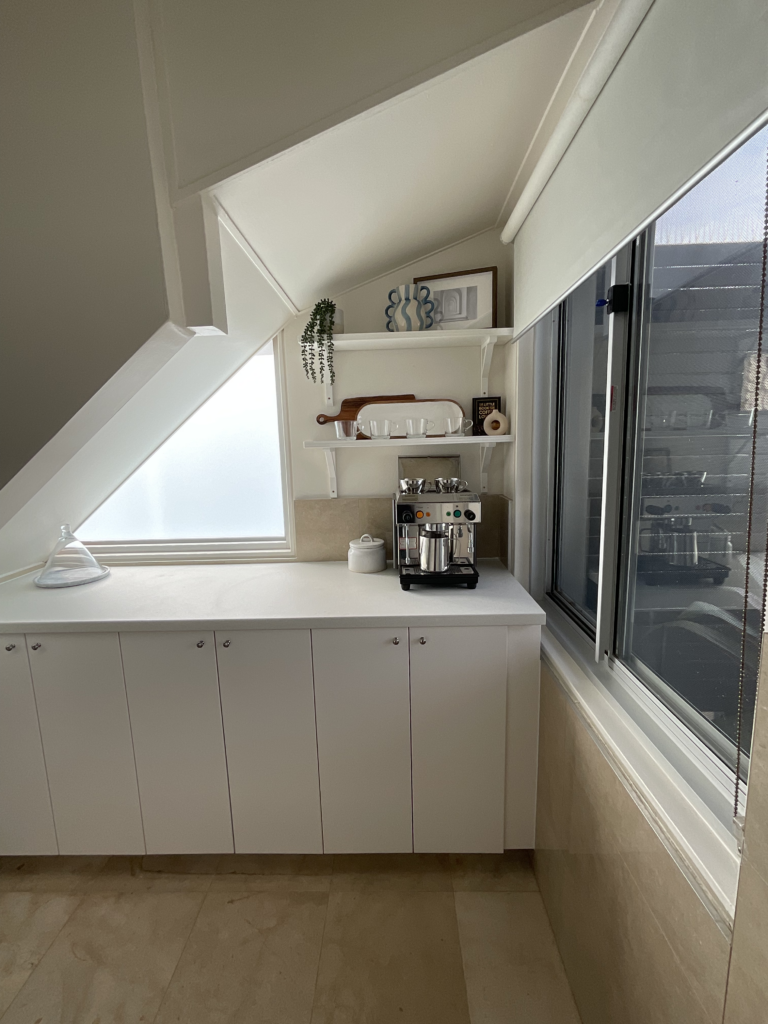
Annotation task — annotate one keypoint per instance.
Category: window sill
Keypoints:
(189, 553)
(698, 840)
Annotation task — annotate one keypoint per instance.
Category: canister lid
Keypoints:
(367, 543)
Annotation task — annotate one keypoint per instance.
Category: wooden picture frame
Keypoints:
(461, 319)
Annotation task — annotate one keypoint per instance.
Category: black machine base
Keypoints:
(455, 576)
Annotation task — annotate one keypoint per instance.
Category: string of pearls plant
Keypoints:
(317, 342)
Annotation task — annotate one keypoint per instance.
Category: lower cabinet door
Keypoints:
(78, 682)
(173, 695)
(269, 726)
(26, 818)
(458, 712)
(363, 735)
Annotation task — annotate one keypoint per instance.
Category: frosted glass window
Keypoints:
(218, 477)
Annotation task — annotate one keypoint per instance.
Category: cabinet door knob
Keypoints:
(36, 647)
(10, 647)
(396, 641)
(201, 643)
(422, 639)
(226, 643)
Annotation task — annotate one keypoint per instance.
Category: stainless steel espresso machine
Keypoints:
(435, 538)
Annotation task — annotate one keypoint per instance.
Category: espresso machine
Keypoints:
(435, 539)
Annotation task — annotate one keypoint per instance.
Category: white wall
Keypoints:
(426, 373)
(81, 264)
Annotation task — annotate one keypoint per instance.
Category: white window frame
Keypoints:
(207, 551)
(685, 790)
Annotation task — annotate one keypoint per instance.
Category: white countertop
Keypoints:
(276, 595)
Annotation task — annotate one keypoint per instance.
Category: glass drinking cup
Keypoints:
(346, 429)
(456, 425)
(379, 428)
(418, 427)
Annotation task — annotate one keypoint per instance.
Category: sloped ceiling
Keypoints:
(242, 81)
(415, 174)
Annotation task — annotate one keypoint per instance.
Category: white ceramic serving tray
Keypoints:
(435, 409)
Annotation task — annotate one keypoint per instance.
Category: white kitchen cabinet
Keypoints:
(173, 696)
(524, 664)
(268, 703)
(458, 718)
(78, 683)
(363, 735)
(26, 817)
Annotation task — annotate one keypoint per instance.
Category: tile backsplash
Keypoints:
(325, 526)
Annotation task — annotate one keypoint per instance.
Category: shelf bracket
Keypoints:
(485, 458)
(486, 355)
(330, 461)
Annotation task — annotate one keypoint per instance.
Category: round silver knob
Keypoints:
(201, 643)
(36, 647)
(10, 647)
(226, 643)
(396, 641)
(422, 639)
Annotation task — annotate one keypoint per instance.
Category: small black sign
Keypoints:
(482, 407)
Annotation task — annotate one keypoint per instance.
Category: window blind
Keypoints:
(693, 78)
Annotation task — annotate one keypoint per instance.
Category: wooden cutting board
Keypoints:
(350, 407)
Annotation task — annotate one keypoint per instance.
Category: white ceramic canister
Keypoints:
(367, 554)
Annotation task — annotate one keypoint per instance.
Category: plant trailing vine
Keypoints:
(317, 340)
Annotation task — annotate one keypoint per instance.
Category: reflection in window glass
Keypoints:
(579, 486)
(217, 477)
(687, 539)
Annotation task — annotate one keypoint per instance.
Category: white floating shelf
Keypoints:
(421, 339)
(485, 340)
(410, 442)
(485, 443)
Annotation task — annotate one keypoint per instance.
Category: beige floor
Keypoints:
(403, 939)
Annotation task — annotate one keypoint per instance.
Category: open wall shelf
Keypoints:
(485, 443)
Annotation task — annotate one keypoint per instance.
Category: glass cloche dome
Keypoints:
(70, 564)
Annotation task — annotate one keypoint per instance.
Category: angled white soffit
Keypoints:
(409, 177)
(165, 382)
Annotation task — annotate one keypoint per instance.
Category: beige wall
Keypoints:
(81, 266)
(638, 944)
(247, 80)
(747, 999)
(325, 526)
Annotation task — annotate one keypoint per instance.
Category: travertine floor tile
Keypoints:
(391, 958)
(29, 922)
(493, 872)
(284, 872)
(513, 970)
(111, 962)
(156, 874)
(360, 872)
(251, 959)
(48, 874)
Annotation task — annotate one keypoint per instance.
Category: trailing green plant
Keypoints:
(317, 341)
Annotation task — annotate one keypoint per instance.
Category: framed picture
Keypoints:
(464, 300)
(482, 407)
